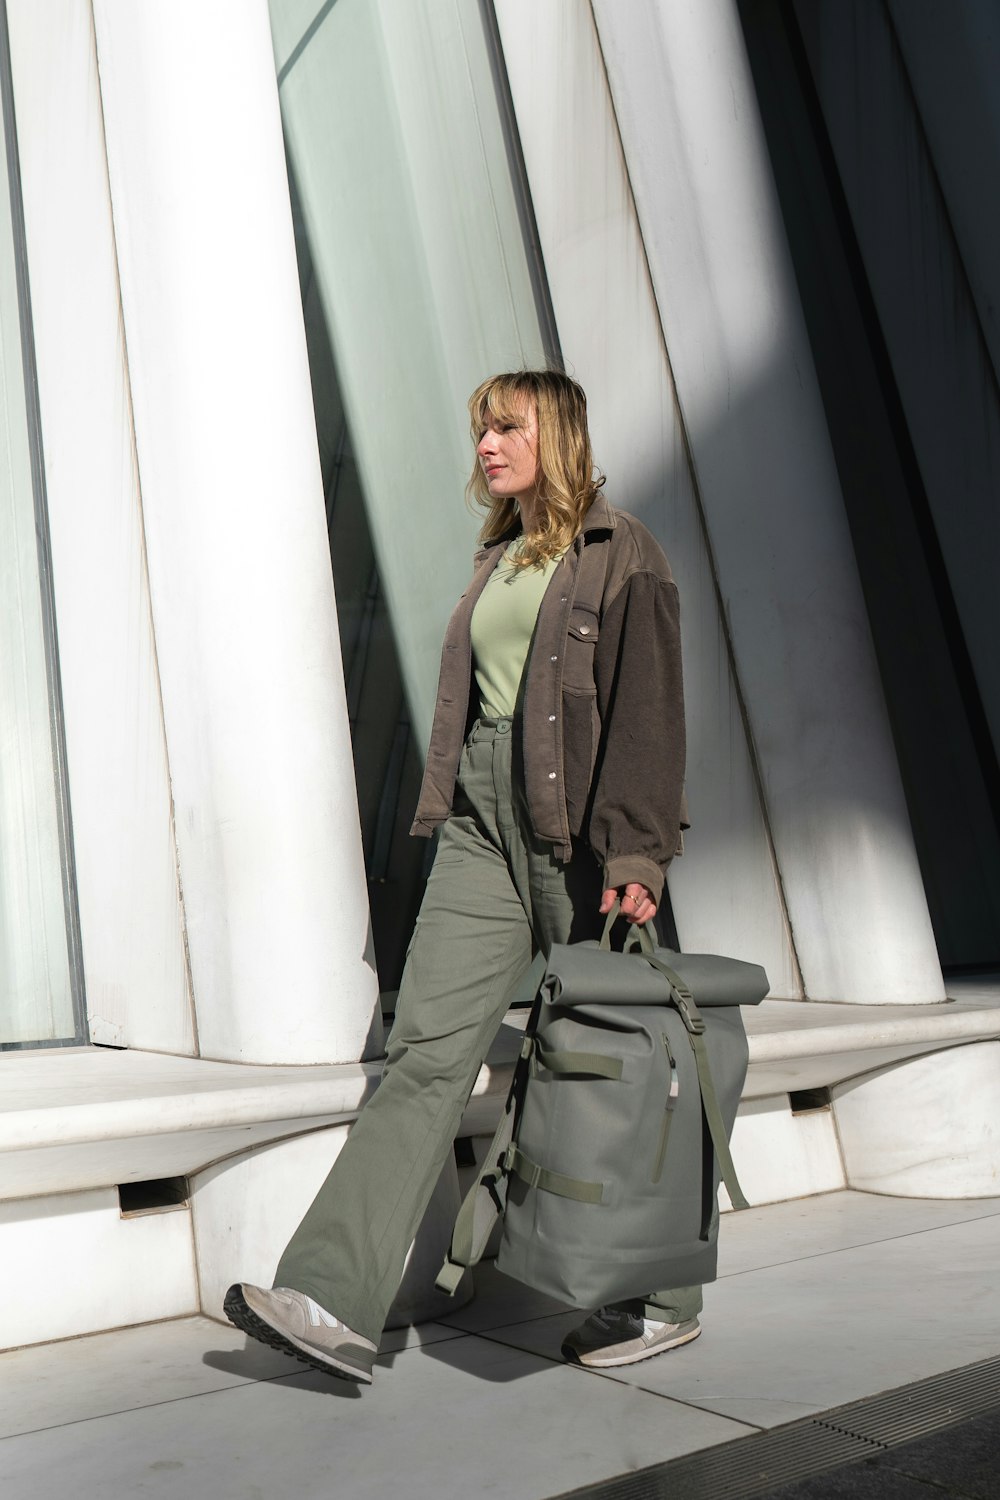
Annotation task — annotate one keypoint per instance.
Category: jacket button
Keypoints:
(552, 718)
(584, 629)
(552, 775)
(553, 658)
(563, 599)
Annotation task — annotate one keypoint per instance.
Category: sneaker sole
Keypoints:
(607, 1362)
(244, 1318)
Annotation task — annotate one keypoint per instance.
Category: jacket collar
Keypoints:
(599, 517)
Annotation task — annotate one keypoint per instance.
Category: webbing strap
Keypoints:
(695, 1026)
(683, 999)
(484, 1202)
(638, 933)
(449, 1276)
(481, 1207)
(593, 1064)
(552, 1182)
(716, 1125)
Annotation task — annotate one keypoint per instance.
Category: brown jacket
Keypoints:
(602, 703)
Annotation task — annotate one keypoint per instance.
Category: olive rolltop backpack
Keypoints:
(615, 1134)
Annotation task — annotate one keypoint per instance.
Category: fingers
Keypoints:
(641, 907)
(638, 905)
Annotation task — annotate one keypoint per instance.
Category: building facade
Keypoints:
(253, 258)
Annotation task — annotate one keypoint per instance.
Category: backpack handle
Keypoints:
(637, 934)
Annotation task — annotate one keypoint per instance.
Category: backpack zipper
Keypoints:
(668, 1109)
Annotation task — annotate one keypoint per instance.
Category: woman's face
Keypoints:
(508, 453)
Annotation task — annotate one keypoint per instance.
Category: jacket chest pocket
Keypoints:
(581, 642)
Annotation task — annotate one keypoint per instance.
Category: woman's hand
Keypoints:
(637, 902)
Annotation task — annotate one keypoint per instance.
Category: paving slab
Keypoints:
(777, 1233)
(54, 1385)
(819, 1303)
(450, 1420)
(791, 1340)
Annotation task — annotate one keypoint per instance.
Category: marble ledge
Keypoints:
(812, 1044)
(94, 1116)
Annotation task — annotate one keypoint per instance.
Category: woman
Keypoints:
(555, 774)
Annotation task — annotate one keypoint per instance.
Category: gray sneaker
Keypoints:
(614, 1336)
(295, 1324)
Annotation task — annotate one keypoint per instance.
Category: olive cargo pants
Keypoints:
(494, 897)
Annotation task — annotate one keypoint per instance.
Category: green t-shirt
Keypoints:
(503, 623)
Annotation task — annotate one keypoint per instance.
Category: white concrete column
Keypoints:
(724, 891)
(749, 401)
(126, 862)
(242, 600)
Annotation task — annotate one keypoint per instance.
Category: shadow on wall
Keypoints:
(938, 741)
(866, 110)
(959, 855)
(387, 762)
(946, 769)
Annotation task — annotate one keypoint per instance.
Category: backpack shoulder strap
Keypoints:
(695, 1027)
(485, 1201)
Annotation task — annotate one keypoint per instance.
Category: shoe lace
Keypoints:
(612, 1319)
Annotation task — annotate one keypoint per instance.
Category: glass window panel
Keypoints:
(37, 1000)
(416, 283)
(401, 164)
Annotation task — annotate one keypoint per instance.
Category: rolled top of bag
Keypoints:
(595, 976)
(715, 980)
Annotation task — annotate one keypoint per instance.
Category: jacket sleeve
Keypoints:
(638, 783)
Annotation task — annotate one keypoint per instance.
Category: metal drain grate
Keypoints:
(755, 1466)
(916, 1410)
(738, 1470)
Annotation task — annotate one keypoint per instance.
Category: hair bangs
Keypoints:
(568, 481)
(504, 397)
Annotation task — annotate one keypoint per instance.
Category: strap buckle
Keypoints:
(529, 1171)
(689, 1012)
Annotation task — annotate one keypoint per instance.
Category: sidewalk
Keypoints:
(820, 1302)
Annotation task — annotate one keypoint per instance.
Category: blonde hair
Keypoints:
(567, 482)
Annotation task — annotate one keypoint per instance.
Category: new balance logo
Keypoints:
(318, 1315)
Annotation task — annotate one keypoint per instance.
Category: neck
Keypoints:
(528, 507)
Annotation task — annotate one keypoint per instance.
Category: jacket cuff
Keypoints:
(626, 869)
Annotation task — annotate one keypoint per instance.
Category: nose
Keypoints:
(487, 443)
